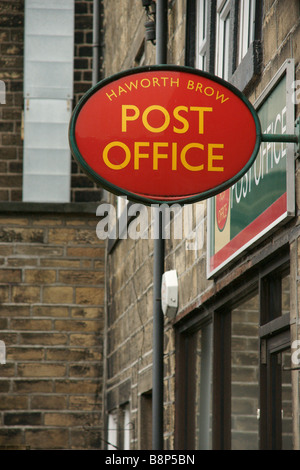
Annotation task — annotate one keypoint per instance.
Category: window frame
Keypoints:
(274, 336)
(222, 380)
(118, 409)
(112, 430)
(246, 28)
(242, 73)
(186, 339)
(145, 420)
(119, 427)
(48, 95)
(247, 68)
(201, 34)
(223, 39)
(193, 48)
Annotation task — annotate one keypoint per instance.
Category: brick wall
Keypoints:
(51, 276)
(51, 320)
(82, 188)
(11, 72)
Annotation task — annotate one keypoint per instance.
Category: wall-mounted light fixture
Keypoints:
(150, 8)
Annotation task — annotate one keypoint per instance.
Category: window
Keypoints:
(246, 45)
(145, 431)
(234, 388)
(275, 376)
(223, 39)
(112, 432)
(48, 91)
(201, 35)
(125, 426)
(245, 375)
(247, 26)
(236, 366)
(253, 394)
(118, 428)
(203, 389)
(194, 398)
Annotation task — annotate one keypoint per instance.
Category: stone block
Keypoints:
(58, 295)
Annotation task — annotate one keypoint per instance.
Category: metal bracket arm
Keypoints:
(285, 138)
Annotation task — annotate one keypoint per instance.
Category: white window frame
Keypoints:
(48, 92)
(246, 26)
(222, 39)
(112, 433)
(201, 34)
(118, 428)
(127, 427)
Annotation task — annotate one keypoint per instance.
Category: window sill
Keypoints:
(249, 68)
(50, 207)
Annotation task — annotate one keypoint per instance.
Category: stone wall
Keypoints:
(11, 72)
(51, 321)
(130, 262)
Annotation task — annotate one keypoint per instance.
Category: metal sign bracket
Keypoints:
(285, 138)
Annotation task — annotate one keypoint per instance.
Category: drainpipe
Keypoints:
(96, 42)
(158, 268)
(96, 76)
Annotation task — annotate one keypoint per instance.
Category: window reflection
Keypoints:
(203, 392)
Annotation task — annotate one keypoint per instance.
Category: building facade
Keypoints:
(52, 263)
(231, 378)
(76, 304)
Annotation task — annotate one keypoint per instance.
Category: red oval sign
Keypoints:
(164, 134)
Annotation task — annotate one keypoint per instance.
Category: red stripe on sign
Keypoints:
(260, 224)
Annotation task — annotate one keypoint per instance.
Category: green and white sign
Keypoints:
(265, 195)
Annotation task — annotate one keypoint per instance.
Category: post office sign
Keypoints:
(264, 197)
(165, 134)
